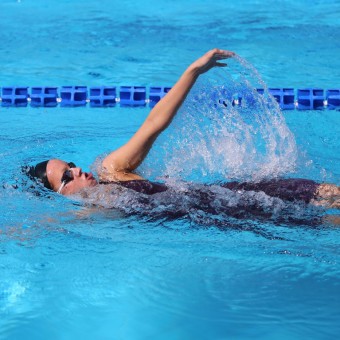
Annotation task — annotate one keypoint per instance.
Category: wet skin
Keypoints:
(55, 170)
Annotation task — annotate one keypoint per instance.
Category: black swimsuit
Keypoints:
(287, 189)
(290, 189)
(142, 186)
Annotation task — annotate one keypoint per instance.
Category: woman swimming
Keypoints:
(120, 165)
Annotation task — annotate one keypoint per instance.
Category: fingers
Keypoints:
(219, 54)
(211, 59)
(225, 55)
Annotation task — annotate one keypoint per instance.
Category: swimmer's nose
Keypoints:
(76, 171)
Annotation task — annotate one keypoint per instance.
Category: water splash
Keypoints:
(212, 139)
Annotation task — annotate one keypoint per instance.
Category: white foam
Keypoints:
(208, 140)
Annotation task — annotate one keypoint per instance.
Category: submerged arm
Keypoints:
(120, 163)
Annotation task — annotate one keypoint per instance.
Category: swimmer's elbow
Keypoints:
(156, 125)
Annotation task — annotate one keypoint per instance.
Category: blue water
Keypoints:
(67, 271)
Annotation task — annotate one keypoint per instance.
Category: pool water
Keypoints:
(69, 270)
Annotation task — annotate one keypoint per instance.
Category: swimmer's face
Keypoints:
(68, 180)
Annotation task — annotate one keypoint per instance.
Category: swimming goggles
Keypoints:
(67, 177)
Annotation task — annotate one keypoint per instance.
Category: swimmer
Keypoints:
(120, 165)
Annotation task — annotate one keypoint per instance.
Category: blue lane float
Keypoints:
(284, 96)
(44, 96)
(310, 99)
(73, 96)
(14, 96)
(103, 96)
(333, 99)
(140, 96)
(132, 96)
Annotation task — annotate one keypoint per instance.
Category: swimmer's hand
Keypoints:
(210, 60)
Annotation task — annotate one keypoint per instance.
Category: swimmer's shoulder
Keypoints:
(118, 176)
(139, 185)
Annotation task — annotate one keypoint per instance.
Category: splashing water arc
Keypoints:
(211, 139)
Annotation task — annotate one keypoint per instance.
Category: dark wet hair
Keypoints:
(39, 172)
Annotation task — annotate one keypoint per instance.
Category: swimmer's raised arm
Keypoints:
(121, 162)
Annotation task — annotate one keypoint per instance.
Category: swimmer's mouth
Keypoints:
(89, 176)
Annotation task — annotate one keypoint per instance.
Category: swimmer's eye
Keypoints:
(67, 177)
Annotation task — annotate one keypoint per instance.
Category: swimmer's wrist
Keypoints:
(193, 70)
